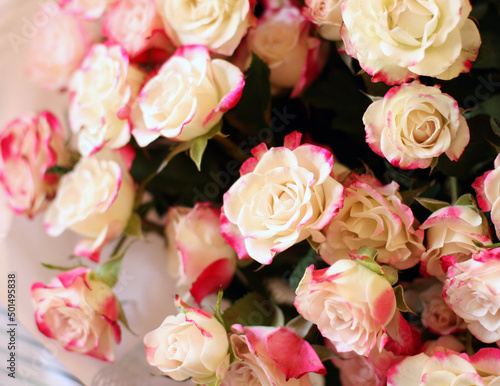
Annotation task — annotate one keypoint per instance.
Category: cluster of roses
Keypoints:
(164, 72)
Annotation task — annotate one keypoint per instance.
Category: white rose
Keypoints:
(187, 97)
(373, 216)
(488, 193)
(350, 304)
(471, 291)
(94, 200)
(413, 124)
(452, 231)
(192, 344)
(327, 14)
(284, 195)
(102, 91)
(401, 40)
(217, 24)
(56, 51)
(86, 9)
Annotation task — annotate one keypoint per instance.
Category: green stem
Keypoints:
(231, 148)
(142, 189)
(119, 245)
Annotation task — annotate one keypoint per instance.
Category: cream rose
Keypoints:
(284, 195)
(413, 124)
(488, 193)
(350, 304)
(56, 51)
(187, 97)
(373, 216)
(132, 24)
(198, 257)
(217, 24)
(452, 231)
(86, 9)
(403, 39)
(102, 92)
(29, 146)
(192, 344)
(80, 312)
(327, 14)
(471, 291)
(94, 200)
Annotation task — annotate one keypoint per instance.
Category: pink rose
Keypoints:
(351, 305)
(86, 9)
(29, 146)
(414, 124)
(80, 312)
(443, 343)
(271, 356)
(471, 291)
(284, 195)
(56, 51)
(198, 256)
(452, 231)
(132, 23)
(373, 216)
(488, 193)
(187, 97)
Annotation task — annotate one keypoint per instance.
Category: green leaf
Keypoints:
(217, 312)
(298, 272)
(58, 169)
(372, 265)
(391, 274)
(368, 252)
(109, 271)
(122, 318)
(431, 204)
(253, 309)
(59, 268)
(300, 326)
(197, 149)
(323, 352)
(400, 300)
(134, 227)
(465, 200)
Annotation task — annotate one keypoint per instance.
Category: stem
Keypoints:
(158, 228)
(454, 189)
(231, 148)
(142, 189)
(119, 245)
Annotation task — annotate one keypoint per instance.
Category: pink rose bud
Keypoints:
(80, 312)
(29, 146)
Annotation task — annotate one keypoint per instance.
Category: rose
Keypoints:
(452, 231)
(327, 14)
(86, 9)
(471, 291)
(217, 24)
(56, 51)
(271, 356)
(403, 40)
(413, 124)
(284, 195)
(442, 368)
(374, 216)
(94, 200)
(80, 312)
(488, 193)
(351, 305)
(443, 344)
(486, 362)
(102, 91)
(132, 24)
(198, 256)
(282, 39)
(29, 146)
(187, 97)
(356, 370)
(192, 344)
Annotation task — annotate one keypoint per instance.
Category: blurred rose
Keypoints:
(373, 216)
(413, 124)
(327, 14)
(191, 344)
(217, 24)
(443, 343)
(131, 23)
(488, 193)
(80, 312)
(86, 9)
(452, 231)
(472, 292)
(56, 51)
(402, 40)
(199, 258)
(187, 97)
(271, 356)
(284, 195)
(282, 39)
(351, 305)
(102, 91)
(29, 146)
(356, 370)
(94, 200)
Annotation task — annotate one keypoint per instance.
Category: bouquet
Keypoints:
(325, 176)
